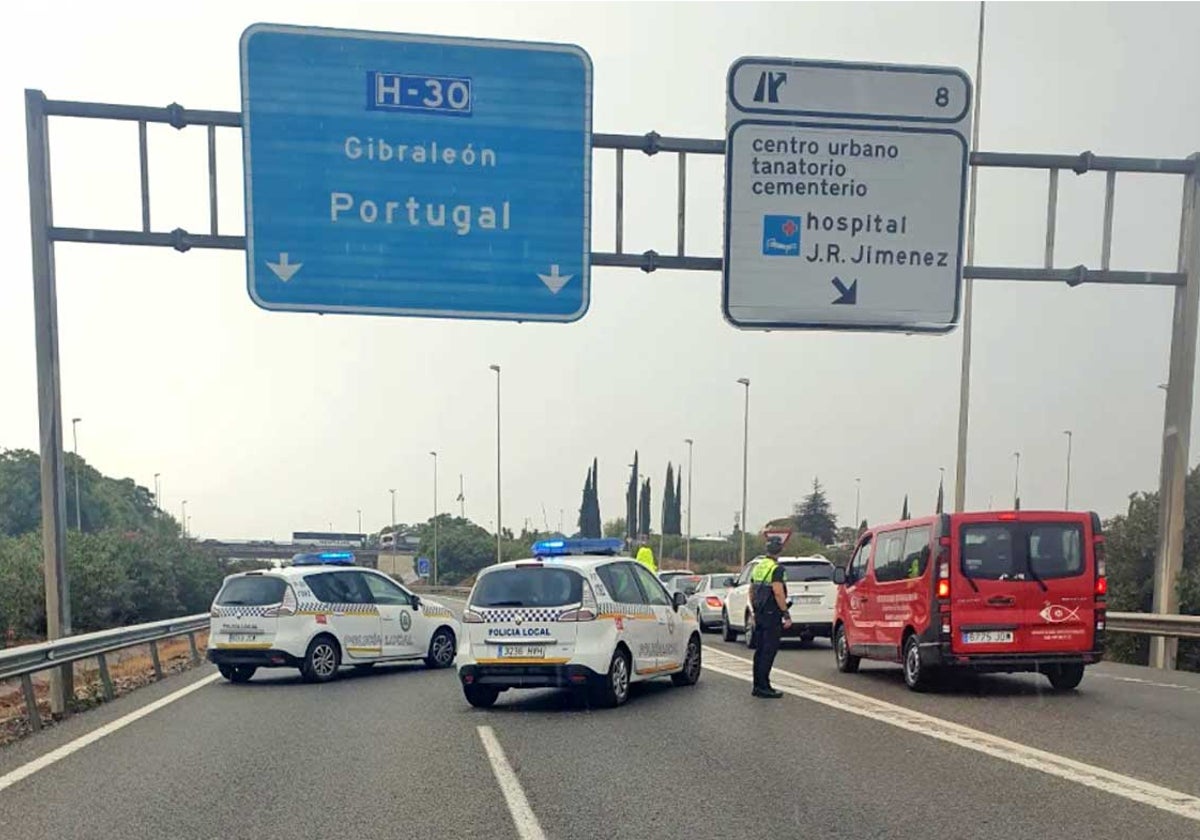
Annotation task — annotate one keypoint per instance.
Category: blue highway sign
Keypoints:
(416, 175)
(423, 566)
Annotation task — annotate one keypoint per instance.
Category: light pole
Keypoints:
(393, 492)
(1067, 500)
(857, 499)
(1017, 482)
(157, 492)
(688, 541)
(941, 490)
(435, 522)
(462, 499)
(745, 461)
(75, 443)
(360, 520)
(499, 527)
(183, 518)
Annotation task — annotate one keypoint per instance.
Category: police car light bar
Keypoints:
(324, 558)
(562, 547)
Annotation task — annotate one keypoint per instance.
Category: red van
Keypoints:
(1014, 591)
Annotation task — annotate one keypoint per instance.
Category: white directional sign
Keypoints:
(845, 190)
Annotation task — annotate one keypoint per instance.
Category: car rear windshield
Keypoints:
(528, 587)
(687, 585)
(1034, 549)
(252, 591)
(804, 572)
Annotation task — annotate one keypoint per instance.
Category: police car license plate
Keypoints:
(988, 637)
(242, 637)
(521, 651)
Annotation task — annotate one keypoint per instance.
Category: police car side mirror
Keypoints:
(416, 602)
(839, 576)
(679, 599)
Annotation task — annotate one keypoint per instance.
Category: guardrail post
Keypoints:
(154, 658)
(35, 717)
(192, 645)
(105, 679)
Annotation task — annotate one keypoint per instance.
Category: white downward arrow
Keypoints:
(284, 269)
(555, 281)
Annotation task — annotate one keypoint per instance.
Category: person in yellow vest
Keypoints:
(645, 556)
(768, 597)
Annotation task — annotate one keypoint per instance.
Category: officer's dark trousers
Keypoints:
(768, 633)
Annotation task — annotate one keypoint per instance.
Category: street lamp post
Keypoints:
(435, 521)
(499, 527)
(393, 492)
(183, 518)
(360, 520)
(857, 499)
(745, 462)
(75, 444)
(1017, 482)
(157, 492)
(1067, 494)
(688, 541)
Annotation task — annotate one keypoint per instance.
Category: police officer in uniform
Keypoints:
(768, 597)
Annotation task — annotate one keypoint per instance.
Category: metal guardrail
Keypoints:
(1155, 624)
(21, 662)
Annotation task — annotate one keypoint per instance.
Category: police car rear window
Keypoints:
(254, 591)
(802, 572)
(528, 587)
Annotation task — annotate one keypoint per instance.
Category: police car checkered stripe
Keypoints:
(348, 609)
(525, 614)
(241, 611)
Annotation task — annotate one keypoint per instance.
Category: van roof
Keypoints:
(989, 516)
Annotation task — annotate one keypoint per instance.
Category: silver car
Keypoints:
(707, 600)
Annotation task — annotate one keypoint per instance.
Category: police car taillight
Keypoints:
(285, 607)
(587, 607)
(471, 617)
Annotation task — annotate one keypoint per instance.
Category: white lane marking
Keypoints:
(1140, 681)
(26, 770)
(523, 817)
(1137, 790)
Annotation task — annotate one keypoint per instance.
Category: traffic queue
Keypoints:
(1010, 592)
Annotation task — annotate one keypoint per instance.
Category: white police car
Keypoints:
(575, 615)
(320, 613)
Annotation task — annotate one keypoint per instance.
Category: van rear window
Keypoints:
(535, 586)
(1003, 551)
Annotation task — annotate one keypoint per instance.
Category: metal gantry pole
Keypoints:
(745, 462)
(1017, 481)
(1067, 492)
(45, 314)
(435, 519)
(857, 499)
(78, 498)
(499, 527)
(1177, 421)
(688, 541)
(964, 387)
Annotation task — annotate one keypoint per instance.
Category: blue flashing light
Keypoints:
(561, 547)
(324, 558)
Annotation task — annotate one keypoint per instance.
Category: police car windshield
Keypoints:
(801, 572)
(535, 586)
(251, 591)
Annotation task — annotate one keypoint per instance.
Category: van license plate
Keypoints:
(243, 637)
(988, 637)
(521, 652)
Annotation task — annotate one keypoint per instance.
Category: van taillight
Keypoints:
(1101, 586)
(943, 588)
(1101, 567)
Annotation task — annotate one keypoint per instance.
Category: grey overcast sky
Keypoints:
(269, 422)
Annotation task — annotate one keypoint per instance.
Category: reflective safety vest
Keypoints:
(646, 557)
(760, 585)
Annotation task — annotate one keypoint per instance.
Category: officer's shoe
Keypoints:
(767, 693)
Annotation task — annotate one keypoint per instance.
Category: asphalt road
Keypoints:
(398, 753)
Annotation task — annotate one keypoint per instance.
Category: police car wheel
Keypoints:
(481, 696)
(441, 649)
(847, 662)
(615, 689)
(321, 661)
(727, 632)
(241, 673)
(751, 642)
(691, 665)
